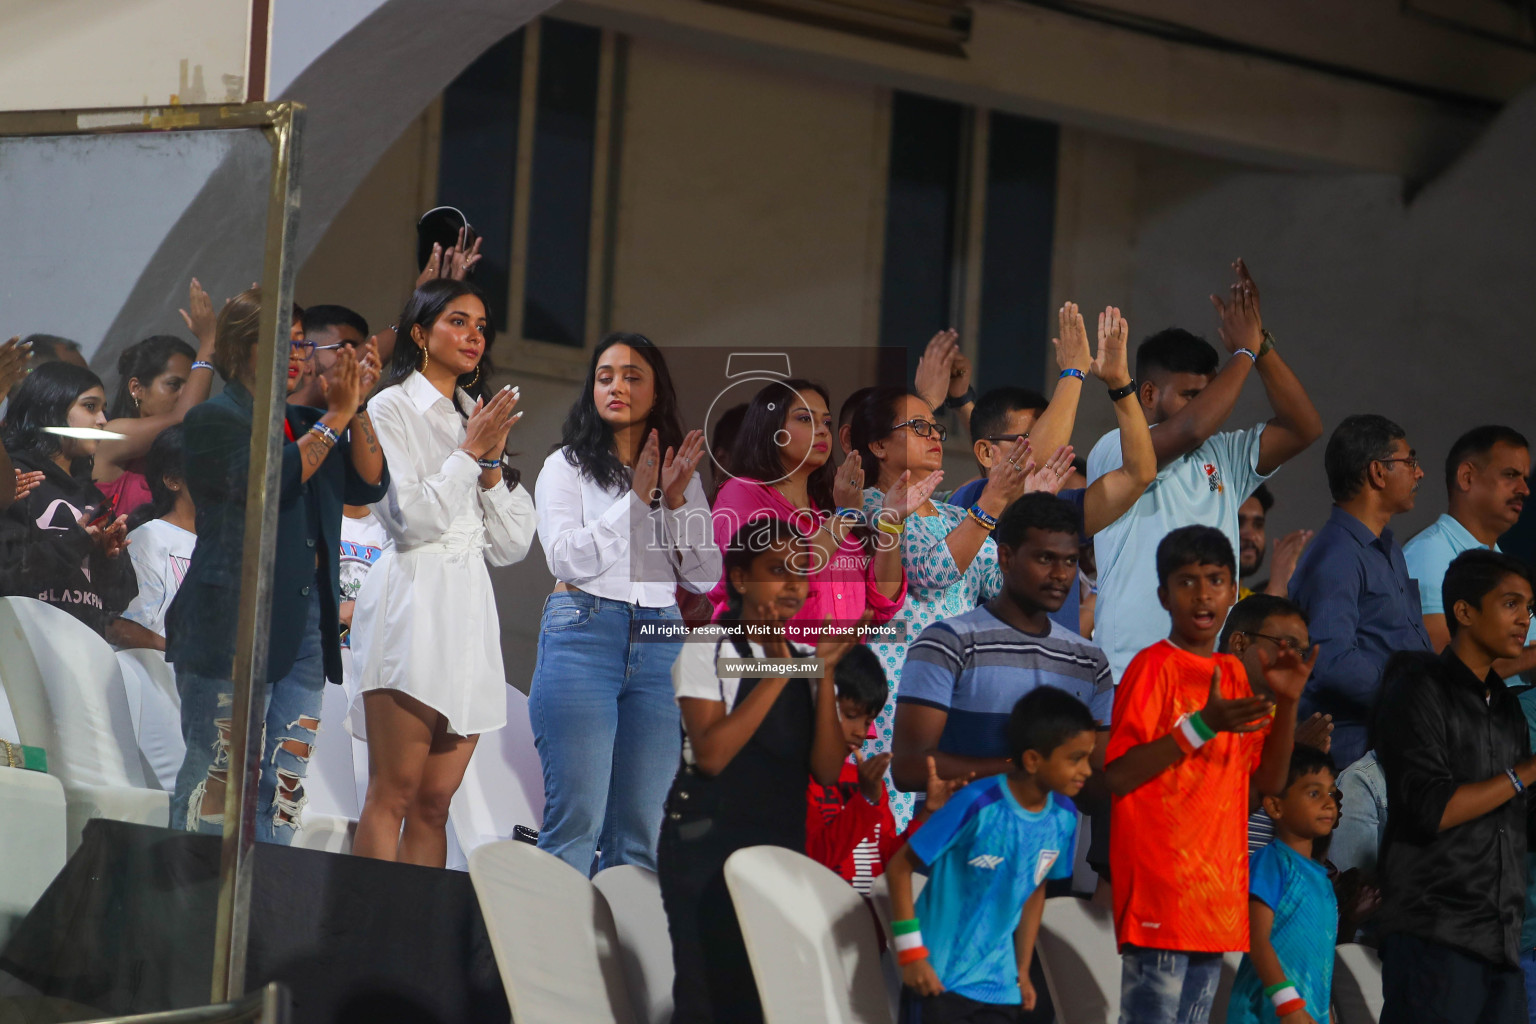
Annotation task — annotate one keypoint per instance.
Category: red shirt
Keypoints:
(849, 834)
(1178, 845)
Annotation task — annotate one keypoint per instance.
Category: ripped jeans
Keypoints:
(289, 726)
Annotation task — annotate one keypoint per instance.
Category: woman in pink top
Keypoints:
(782, 468)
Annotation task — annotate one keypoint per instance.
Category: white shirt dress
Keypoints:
(425, 621)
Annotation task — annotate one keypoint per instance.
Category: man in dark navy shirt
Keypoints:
(1352, 581)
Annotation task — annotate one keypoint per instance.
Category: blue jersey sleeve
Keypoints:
(932, 668)
(1066, 824)
(1266, 876)
(940, 832)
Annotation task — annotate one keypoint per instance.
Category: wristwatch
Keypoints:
(1269, 342)
(1115, 394)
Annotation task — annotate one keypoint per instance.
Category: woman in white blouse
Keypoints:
(426, 643)
(623, 523)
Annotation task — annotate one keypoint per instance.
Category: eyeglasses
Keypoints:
(923, 428)
(1285, 643)
(332, 348)
(1003, 438)
(305, 349)
(1411, 461)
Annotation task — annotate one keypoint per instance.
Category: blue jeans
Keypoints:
(1161, 986)
(607, 729)
(292, 713)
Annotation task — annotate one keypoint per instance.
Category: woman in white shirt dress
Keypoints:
(426, 642)
(623, 523)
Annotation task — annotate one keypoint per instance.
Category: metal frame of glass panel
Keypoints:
(281, 124)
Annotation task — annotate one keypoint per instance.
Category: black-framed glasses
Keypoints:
(1411, 461)
(1285, 643)
(923, 428)
(305, 349)
(1004, 438)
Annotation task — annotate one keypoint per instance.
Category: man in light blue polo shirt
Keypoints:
(1485, 479)
(1203, 476)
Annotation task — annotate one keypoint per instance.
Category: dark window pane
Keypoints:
(477, 169)
(920, 210)
(560, 201)
(1016, 252)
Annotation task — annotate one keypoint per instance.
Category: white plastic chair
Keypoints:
(66, 695)
(555, 941)
(32, 841)
(645, 945)
(810, 937)
(1081, 961)
(150, 684)
(1357, 984)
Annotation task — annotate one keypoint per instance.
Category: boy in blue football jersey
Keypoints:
(989, 852)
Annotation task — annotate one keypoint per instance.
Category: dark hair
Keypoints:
(1266, 500)
(1175, 350)
(1357, 442)
(1039, 511)
(236, 333)
(43, 400)
(1474, 444)
(860, 679)
(587, 437)
(1250, 614)
(1193, 545)
(440, 224)
(1044, 719)
(422, 309)
(755, 455)
(1472, 576)
(871, 421)
(45, 347)
(989, 416)
(760, 534)
(164, 460)
(143, 361)
(1304, 761)
(319, 318)
(850, 405)
(722, 439)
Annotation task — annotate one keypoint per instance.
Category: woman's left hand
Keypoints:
(1053, 475)
(678, 467)
(905, 497)
(848, 484)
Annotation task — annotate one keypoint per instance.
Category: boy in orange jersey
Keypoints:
(1187, 739)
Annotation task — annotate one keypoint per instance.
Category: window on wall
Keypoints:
(970, 210)
(527, 139)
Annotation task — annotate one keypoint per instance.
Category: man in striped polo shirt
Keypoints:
(963, 675)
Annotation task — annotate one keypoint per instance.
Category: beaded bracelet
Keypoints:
(325, 433)
(907, 941)
(1072, 372)
(983, 517)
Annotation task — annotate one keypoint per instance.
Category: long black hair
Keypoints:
(871, 421)
(422, 309)
(43, 400)
(588, 439)
(756, 453)
(143, 361)
(163, 462)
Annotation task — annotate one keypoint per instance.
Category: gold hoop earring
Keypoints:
(425, 359)
(475, 378)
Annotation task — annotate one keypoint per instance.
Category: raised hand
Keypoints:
(1316, 732)
(434, 268)
(13, 364)
(872, 776)
(1287, 674)
(647, 469)
(1008, 477)
(485, 434)
(1051, 477)
(959, 375)
(1288, 551)
(1112, 365)
(26, 482)
(933, 369)
(905, 497)
(1240, 323)
(462, 257)
(1072, 346)
(678, 467)
(200, 317)
(848, 484)
(342, 387)
(940, 790)
(369, 367)
(110, 538)
(1240, 714)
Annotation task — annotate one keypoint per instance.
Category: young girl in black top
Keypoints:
(748, 745)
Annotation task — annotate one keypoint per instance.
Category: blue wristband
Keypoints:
(851, 514)
(325, 433)
(200, 365)
(983, 517)
(1070, 372)
(1519, 786)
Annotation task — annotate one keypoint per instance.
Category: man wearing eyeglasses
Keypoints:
(1353, 582)
(327, 330)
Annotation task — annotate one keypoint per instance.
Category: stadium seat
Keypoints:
(645, 946)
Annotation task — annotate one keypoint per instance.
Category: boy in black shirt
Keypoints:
(1455, 751)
